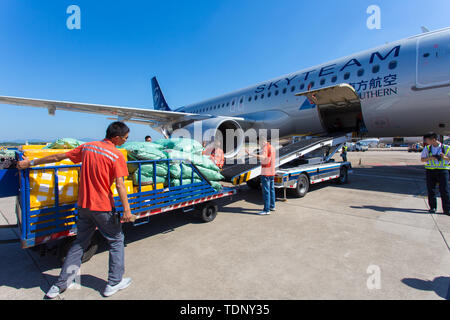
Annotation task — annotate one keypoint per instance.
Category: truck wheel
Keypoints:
(343, 176)
(302, 186)
(208, 212)
(254, 184)
(88, 253)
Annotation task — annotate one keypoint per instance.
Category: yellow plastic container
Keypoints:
(128, 186)
(42, 181)
(125, 153)
(148, 187)
(32, 147)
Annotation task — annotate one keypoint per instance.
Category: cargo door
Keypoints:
(339, 108)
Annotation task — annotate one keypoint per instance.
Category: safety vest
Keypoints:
(434, 164)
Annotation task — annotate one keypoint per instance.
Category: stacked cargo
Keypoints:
(181, 152)
(42, 182)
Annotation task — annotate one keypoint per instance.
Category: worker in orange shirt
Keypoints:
(216, 154)
(102, 164)
(268, 160)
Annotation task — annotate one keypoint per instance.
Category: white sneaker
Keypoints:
(55, 291)
(273, 210)
(264, 213)
(110, 290)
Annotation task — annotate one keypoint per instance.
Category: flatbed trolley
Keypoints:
(54, 227)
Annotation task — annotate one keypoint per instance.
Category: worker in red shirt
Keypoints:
(102, 165)
(268, 161)
(216, 154)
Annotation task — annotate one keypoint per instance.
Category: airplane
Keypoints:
(398, 89)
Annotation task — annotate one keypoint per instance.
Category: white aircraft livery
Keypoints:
(398, 89)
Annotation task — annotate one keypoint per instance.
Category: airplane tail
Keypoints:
(159, 102)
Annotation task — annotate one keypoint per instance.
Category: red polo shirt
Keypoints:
(102, 163)
(268, 161)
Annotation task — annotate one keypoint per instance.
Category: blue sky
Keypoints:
(197, 49)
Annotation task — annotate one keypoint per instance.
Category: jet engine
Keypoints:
(228, 131)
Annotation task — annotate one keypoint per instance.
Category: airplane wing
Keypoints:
(155, 118)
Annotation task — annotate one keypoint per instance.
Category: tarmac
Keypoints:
(370, 239)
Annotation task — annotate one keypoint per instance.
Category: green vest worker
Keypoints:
(436, 157)
(344, 153)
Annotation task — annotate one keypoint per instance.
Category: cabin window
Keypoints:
(392, 65)
(228, 104)
(322, 81)
(232, 103)
(360, 72)
(311, 85)
(426, 55)
(249, 99)
(269, 94)
(241, 101)
(347, 76)
(277, 92)
(284, 91)
(262, 96)
(302, 86)
(256, 98)
(376, 69)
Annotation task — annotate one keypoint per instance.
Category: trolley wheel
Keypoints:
(254, 184)
(302, 186)
(343, 176)
(208, 212)
(88, 253)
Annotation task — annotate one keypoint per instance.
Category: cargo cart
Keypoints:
(54, 227)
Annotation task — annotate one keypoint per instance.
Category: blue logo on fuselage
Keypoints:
(307, 105)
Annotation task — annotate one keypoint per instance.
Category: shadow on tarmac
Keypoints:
(440, 285)
(391, 209)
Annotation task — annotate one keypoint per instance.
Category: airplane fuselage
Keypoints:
(403, 87)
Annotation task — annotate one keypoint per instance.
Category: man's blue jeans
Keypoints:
(268, 191)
